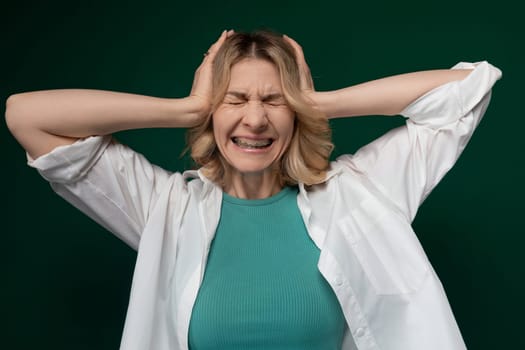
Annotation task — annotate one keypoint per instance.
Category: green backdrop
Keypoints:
(65, 281)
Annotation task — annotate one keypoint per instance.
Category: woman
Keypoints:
(267, 245)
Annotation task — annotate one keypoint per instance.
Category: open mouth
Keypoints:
(251, 143)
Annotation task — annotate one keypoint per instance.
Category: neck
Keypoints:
(253, 186)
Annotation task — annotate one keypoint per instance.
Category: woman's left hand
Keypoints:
(307, 83)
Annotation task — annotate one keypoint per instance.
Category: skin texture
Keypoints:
(43, 120)
(384, 96)
(253, 111)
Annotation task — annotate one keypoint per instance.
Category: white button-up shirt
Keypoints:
(360, 219)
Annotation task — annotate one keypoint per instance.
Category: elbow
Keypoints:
(16, 114)
(12, 114)
(9, 113)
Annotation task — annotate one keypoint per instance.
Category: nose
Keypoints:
(255, 117)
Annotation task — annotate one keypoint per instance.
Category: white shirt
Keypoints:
(360, 219)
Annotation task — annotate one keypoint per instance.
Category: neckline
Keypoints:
(257, 202)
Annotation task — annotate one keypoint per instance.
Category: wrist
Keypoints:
(187, 112)
(326, 102)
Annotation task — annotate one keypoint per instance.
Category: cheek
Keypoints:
(218, 125)
(220, 138)
(223, 118)
(223, 126)
(289, 127)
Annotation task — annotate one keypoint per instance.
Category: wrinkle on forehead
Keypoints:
(255, 78)
(265, 97)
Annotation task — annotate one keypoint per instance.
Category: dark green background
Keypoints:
(65, 281)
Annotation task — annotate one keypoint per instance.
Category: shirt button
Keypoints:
(360, 332)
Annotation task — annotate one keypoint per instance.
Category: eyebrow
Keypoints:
(244, 96)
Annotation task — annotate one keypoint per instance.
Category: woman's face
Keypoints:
(253, 125)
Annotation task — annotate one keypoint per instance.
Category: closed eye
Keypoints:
(274, 99)
(234, 103)
(275, 103)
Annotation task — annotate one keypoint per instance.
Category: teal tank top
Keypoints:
(261, 287)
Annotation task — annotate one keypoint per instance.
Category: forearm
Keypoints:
(385, 96)
(81, 113)
(42, 120)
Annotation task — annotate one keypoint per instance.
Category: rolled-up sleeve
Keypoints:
(114, 185)
(408, 162)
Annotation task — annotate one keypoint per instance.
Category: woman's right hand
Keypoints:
(44, 120)
(201, 94)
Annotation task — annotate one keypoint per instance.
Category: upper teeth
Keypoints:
(251, 143)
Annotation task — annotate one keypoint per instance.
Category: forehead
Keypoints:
(254, 73)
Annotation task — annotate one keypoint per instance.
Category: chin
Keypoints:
(252, 169)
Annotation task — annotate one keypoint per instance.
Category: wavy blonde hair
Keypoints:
(306, 159)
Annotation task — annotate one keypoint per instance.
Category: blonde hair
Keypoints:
(307, 158)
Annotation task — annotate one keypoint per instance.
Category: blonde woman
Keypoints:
(268, 245)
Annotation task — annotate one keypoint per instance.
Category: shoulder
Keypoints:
(343, 171)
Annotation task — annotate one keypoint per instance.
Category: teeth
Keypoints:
(248, 143)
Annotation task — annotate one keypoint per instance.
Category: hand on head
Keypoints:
(307, 83)
(201, 91)
(202, 95)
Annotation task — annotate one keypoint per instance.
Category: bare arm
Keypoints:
(385, 96)
(43, 120)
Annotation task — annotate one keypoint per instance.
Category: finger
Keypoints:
(212, 51)
(299, 54)
(306, 77)
(297, 48)
(202, 77)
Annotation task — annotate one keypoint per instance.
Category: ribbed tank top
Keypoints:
(261, 287)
